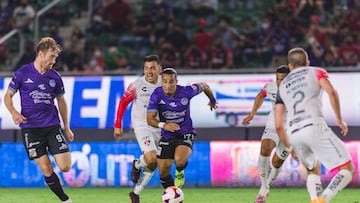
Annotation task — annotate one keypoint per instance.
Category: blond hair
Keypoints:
(298, 57)
(47, 43)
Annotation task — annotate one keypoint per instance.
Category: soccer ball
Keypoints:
(173, 194)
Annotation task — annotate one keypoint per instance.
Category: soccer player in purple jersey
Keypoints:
(169, 109)
(39, 120)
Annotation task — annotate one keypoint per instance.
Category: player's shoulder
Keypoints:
(54, 73)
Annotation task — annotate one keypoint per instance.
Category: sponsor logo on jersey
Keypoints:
(29, 81)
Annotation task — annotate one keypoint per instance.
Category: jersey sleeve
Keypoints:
(193, 89)
(321, 73)
(263, 91)
(15, 82)
(60, 90)
(129, 96)
(278, 99)
(154, 102)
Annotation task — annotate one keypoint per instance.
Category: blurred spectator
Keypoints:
(144, 27)
(116, 59)
(329, 60)
(96, 63)
(219, 57)
(349, 52)
(202, 37)
(3, 52)
(169, 55)
(97, 23)
(27, 57)
(162, 19)
(23, 17)
(177, 37)
(228, 33)
(74, 49)
(305, 9)
(54, 33)
(315, 51)
(194, 58)
(201, 8)
(118, 16)
(352, 19)
(280, 42)
(6, 12)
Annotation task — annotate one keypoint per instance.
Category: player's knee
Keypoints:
(65, 168)
(265, 151)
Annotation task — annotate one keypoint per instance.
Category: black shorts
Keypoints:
(166, 148)
(38, 141)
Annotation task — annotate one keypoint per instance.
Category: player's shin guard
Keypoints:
(144, 180)
(264, 168)
(167, 181)
(55, 186)
(338, 182)
(313, 186)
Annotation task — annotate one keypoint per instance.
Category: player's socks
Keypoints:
(54, 184)
(264, 168)
(274, 172)
(313, 186)
(139, 163)
(337, 183)
(144, 180)
(167, 181)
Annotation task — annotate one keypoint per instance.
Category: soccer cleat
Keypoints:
(319, 199)
(260, 199)
(134, 197)
(135, 173)
(67, 201)
(179, 178)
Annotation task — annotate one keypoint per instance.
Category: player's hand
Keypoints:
(69, 134)
(172, 127)
(118, 132)
(213, 106)
(247, 119)
(343, 126)
(18, 118)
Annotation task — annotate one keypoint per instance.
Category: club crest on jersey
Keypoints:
(52, 83)
(184, 101)
(146, 141)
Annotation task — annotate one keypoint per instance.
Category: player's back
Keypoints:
(301, 94)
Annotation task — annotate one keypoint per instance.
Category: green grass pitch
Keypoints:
(153, 195)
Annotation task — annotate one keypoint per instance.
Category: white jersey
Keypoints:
(143, 91)
(270, 90)
(301, 93)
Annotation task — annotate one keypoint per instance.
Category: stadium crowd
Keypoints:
(201, 34)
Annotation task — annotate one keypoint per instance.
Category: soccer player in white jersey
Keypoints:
(306, 131)
(269, 138)
(148, 137)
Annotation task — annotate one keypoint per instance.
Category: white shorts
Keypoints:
(270, 133)
(147, 137)
(313, 140)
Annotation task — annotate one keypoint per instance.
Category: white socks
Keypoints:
(264, 168)
(140, 162)
(313, 186)
(143, 180)
(338, 182)
(274, 172)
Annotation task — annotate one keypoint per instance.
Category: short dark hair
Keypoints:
(283, 69)
(169, 70)
(152, 57)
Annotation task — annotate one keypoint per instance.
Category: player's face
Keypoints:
(280, 77)
(49, 58)
(151, 71)
(169, 82)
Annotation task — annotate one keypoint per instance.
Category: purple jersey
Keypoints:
(37, 93)
(174, 109)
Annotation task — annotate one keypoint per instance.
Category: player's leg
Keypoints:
(332, 152)
(182, 153)
(165, 159)
(58, 147)
(267, 145)
(277, 161)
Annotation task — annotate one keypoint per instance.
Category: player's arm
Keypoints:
(204, 87)
(152, 120)
(259, 99)
(63, 109)
(335, 103)
(128, 96)
(16, 116)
